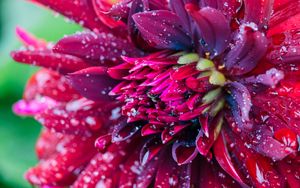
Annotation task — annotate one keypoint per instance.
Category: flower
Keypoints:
(179, 93)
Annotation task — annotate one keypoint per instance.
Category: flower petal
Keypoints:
(54, 61)
(165, 30)
(73, 118)
(240, 104)
(93, 83)
(258, 11)
(50, 84)
(60, 169)
(250, 47)
(101, 47)
(81, 12)
(213, 30)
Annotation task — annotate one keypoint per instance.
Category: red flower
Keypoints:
(185, 93)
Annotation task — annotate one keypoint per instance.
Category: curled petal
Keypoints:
(183, 153)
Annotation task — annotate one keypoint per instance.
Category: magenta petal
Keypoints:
(32, 107)
(102, 47)
(213, 29)
(258, 11)
(54, 61)
(249, 48)
(29, 40)
(93, 83)
(165, 30)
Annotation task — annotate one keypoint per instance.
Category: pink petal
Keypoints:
(54, 61)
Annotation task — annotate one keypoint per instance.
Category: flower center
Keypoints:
(173, 92)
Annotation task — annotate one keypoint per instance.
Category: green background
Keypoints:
(18, 135)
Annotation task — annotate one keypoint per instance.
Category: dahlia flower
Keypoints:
(157, 93)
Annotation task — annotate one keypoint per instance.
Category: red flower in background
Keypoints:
(185, 93)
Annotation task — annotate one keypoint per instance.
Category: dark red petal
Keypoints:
(165, 30)
(250, 46)
(203, 142)
(285, 16)
(258, 11)
(103, 168)
(286, 50)
(100, 6)
(82, 12)
(103, 142)
(54, 61)
(93, 83)
(213, 28)
(101, 47)
(169, 174)
(183, 153)
(60, 169)
(224, 159)
(169, 133)
(211, 175)
(150, 149)
(289, 168)
(49, 84)
(123, 130)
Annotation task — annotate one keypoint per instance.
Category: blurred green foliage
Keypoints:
(18, 135)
